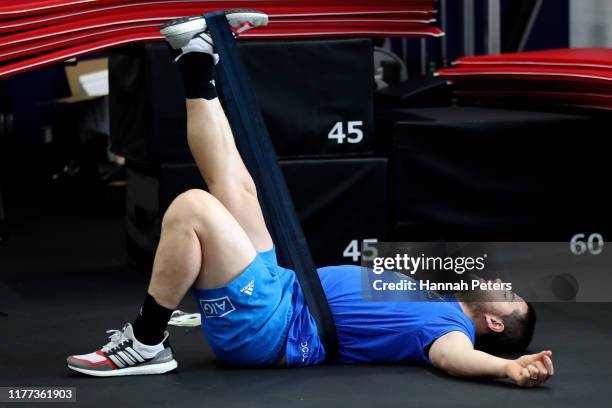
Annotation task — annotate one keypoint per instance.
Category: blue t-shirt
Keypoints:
(395, 330)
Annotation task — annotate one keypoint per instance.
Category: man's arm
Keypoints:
(455, 354)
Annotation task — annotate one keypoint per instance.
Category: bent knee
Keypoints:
(189, 206)
(193, 197)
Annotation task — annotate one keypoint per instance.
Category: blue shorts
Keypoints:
(246, 322)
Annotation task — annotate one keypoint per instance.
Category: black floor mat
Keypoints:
(63, 283)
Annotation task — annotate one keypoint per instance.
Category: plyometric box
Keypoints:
(340, 203)
(315, 95)
(470, 173)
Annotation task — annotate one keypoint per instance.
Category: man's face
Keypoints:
(498, 302)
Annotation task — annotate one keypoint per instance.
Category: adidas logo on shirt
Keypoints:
(248, 289)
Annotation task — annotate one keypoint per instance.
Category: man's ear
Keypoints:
(494, 323)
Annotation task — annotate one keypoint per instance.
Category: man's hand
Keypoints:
(531, 370)
(454, 354)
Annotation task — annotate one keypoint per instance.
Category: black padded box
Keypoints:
(341, 203)
(308, 91)
(338, 201)
(470, 173)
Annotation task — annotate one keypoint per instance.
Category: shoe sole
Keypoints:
(178, 32)
(160, 368)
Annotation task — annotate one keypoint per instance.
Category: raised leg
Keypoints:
(207, 239)
(212, 144)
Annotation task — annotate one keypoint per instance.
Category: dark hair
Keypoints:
(516, 336)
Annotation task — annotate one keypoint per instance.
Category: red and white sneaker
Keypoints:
(180, 31)
(125, 355)
(190, 34)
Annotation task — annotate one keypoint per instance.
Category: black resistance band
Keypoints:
(255, 146)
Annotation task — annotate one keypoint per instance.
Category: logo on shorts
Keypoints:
(305, 349)
(248, 289)
(217, 307)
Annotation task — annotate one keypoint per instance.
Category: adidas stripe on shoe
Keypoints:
(125, 355)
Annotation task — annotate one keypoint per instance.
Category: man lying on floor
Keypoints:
(253, 310)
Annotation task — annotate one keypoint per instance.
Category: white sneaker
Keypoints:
(190, 34)
(125, 355)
